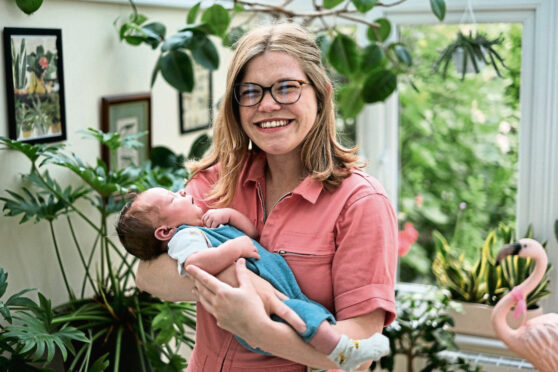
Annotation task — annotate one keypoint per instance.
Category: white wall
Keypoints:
(95, 64)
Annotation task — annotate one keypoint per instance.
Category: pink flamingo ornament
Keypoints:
(537, 339)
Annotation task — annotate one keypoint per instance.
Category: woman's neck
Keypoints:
(284, 171)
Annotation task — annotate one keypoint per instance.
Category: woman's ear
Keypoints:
(164, 233)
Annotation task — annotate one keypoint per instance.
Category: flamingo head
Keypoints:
(523, 248)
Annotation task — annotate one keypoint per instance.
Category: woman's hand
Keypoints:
(242, 310)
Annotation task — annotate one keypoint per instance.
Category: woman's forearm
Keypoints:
(160, 278)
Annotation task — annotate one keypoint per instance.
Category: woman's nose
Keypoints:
(268, 103)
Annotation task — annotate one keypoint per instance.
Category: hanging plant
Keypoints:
(470, 53)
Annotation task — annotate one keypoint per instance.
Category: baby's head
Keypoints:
(150, 219)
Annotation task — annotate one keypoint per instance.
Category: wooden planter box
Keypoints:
(475, 320)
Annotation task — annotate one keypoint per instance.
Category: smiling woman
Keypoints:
(277, 161)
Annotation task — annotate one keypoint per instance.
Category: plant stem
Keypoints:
(60, 264)
(82, 258)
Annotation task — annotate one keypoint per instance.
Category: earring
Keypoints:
(249, 145)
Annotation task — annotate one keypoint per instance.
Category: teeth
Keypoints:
(274, 124)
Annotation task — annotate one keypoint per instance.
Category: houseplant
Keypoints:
(19, 70)
(483, 282)
(30, 331)
(105, 305)
(420, 331)
(470, 53)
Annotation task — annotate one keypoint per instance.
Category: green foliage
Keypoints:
(19, 65)
(421, 330)
(29, 6)
(484, 281)
(475, 49)
(458, 150)
(32, 330)
(117, 308)
(367, 73)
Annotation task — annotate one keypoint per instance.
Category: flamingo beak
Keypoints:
(508, 250)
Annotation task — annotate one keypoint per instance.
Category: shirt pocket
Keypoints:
(310, 256)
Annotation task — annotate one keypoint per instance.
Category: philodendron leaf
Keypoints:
(156, 33)
(438, 8)
(403, 55)
(199, 147)
(364, 6)
(217, 18)
(155, 72)
(378, 86)
(344, 55)
(206, 55)
(330, 4)
(177, 70)
(193, 13)
(349, 99)
(556, 229)
(380, 34)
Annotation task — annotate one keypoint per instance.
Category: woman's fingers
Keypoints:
(288, 315)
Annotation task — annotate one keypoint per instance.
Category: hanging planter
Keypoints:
(470, 53)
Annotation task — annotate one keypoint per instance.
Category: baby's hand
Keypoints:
(215, 217)
(248, 249)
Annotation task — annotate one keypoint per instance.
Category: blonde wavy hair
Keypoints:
(321, 155)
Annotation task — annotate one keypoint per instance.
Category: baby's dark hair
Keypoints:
(136, 231)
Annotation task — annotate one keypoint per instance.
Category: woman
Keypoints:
(276, 160)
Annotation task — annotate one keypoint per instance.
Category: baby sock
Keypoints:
(349, 354)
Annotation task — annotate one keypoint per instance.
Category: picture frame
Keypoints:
(34, 84)
(196, 108)
(127, 115)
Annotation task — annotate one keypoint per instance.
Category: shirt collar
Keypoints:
(254, 171)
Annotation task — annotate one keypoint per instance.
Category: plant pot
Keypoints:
(475, 320)
(458, 57)
(55, 128)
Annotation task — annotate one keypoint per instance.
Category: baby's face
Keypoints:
(174, 208)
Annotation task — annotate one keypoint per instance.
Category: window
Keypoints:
(537, 199)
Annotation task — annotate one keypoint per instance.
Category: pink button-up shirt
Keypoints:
(341, 246)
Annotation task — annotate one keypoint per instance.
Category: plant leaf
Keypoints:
(193, 13)
(378, 86)
(206, 55)
(344, 55)
(364, 6)
(330, 4)
(176, 68)
(350, 100)
(217, 19)
(438, 8)
(382, 32)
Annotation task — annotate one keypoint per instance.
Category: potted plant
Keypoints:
(38, 115)
(19, 71)
(470, 53)
(32, 333)
(479, 285)
(52, 110)
(421, 333)
(39, 64)
(105, 304)
(24, 121)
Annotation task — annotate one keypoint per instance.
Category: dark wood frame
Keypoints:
(110, 103)
(8, 33)
(183, 111)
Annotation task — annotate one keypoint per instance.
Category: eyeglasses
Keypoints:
(284, 92)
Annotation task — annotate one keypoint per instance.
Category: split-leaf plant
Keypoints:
(104, 304)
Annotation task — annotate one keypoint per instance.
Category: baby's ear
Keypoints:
(164, 233)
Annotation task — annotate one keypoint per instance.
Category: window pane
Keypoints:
(458, 145)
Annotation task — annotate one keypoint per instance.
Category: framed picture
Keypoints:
(196, 108)
(127, 115)
(34, 84)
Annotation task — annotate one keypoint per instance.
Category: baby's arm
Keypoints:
(215, 260)
(215, 217)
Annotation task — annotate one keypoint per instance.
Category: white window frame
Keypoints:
(537, 199)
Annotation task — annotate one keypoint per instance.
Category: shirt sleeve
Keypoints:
(364, 264)
(185, 243)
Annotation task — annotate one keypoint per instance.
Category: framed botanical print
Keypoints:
(196, 108)
(127, 115)
(34, 84)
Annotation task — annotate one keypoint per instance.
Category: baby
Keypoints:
(158, 220)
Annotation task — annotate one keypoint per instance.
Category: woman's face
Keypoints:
(289, 123)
